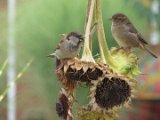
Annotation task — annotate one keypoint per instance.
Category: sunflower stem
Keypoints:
(87, 54)
(104, 51)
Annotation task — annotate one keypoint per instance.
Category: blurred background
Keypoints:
(30, 29)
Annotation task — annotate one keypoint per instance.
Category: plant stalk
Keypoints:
(87, 55)
(105, 54)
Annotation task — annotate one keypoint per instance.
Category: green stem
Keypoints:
(105, 54)
(12, 82)
(3, 66)
(87, 55)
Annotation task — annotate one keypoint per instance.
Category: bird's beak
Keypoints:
(52, 55)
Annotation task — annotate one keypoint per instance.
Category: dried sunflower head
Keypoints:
(85, 71)
(73, 71)
(110, 92)
(63, 106)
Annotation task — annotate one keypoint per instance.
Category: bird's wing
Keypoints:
(59, 44)
(61, 41)
(142, 39)
(132, 29)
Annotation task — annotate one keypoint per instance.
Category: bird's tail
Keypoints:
(150, 52)
(52, 55)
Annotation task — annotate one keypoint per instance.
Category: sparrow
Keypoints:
(126, 35)
(69, 46)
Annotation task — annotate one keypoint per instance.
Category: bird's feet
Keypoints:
(127, 49)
